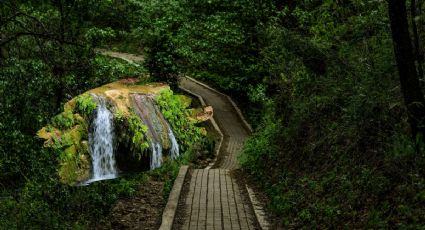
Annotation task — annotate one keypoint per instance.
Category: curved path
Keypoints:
(214, 199)
(228, 120)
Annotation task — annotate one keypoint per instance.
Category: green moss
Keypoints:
(85, 104)
(83, 147)
(70, 152)
(64, 120)
(67, 173)
(64, 141)
(68, 165)
(75, 164)
(67, 136)
(69, 106)
(119, 116)
(76, 134)
(184, 100)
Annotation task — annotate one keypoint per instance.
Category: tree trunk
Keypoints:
(413, 96)
(416, 38)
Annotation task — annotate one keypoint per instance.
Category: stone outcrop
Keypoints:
(140, 128)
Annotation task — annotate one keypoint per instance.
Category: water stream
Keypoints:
(174, 151)
(101, 137)
(101, 141)
(158, 129)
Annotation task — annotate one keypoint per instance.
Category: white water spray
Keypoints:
(101, 144)
(174, 151)
(156, 157)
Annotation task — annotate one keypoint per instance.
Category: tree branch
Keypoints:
(5, 41)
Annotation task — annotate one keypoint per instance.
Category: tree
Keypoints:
(412, 93)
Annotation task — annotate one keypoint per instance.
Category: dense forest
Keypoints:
(333, 90)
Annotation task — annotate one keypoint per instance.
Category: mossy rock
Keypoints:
(80, 120)
(76, 134)
(49, 134)
(65, 140)
(75, 165)
(68, 132)
(70, 106)
(118, 93)
(69, 142)
(84, 147)
(75, 170)
(185, 100)
(70, 152)
(64, 120)
(84, 167)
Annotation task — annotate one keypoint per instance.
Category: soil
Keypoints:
(144, 211)
(180, 215)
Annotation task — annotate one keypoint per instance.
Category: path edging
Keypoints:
(245, 122)
(214, 124)
(173, 200)
(258, 208)
(136, 58)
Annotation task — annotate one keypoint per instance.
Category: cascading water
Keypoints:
(174, 151)
(157, 125)
(101, 144)
(156, 157)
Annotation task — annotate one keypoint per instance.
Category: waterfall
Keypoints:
(174, 151)
(156, 157)
(156, 149)
(101, 144)
(158, 129)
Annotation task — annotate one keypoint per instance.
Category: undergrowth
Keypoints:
(330, 151)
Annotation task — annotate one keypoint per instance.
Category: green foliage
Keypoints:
(204, 44)
(64, 120)
(316, 78)
(338, 150)
(119, 116)
(96, 36)
(45, 59)
(187, 133)
(138, 130)
(24, 107)
(213, 38)
(168, 173)
(48, 204)
(158, 23)
(263, 145)
(85, 104)
(109, 69)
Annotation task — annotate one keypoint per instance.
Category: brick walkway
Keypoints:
(229, 121)
(214, 199)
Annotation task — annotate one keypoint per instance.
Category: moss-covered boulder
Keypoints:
(139, 126)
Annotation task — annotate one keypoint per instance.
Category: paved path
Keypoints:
(124, 56)
(228, 120)
(214, 199)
